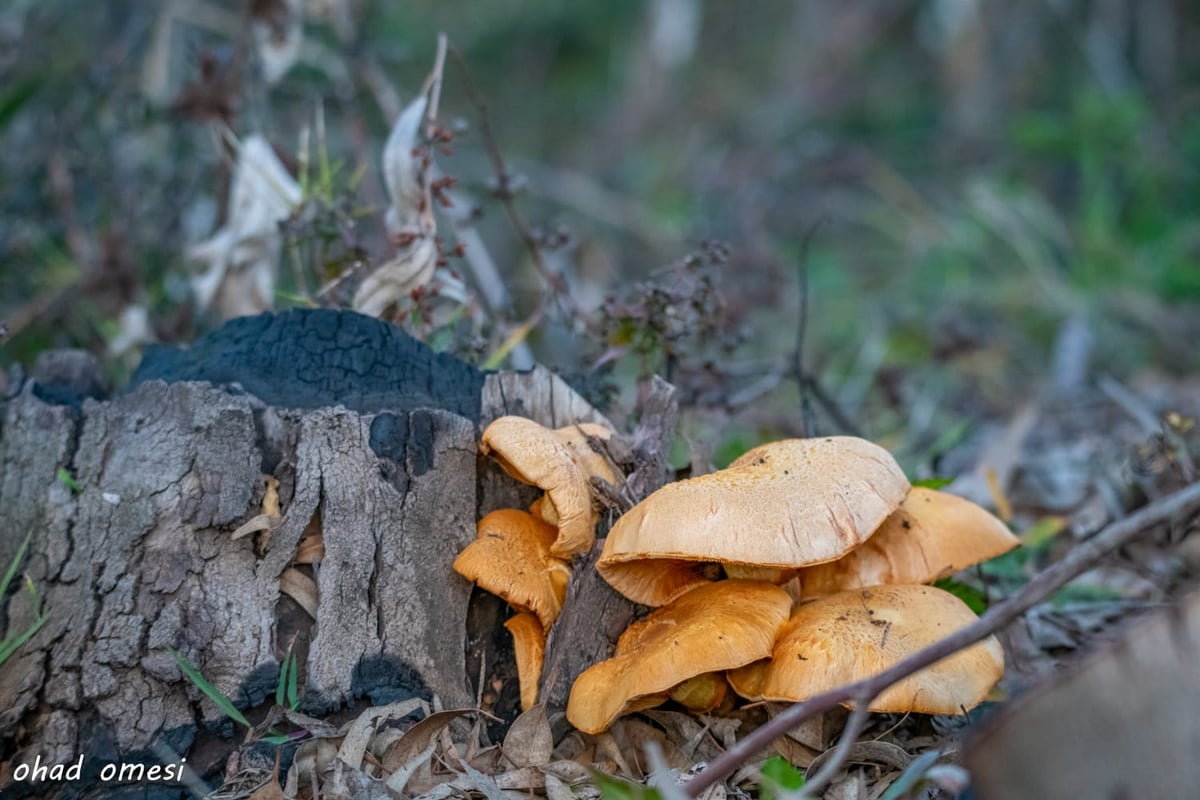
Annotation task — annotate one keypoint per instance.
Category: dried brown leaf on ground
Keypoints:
(529, 742)
(301, 588)
(417, 746)
(358, 736)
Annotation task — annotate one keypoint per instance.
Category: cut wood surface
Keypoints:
(132, 501)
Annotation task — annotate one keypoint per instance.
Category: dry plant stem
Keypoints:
(433, 84)
(1082, 557)
(806, 412)
(432, 87)
(829, 770)
(554, 282)
(810, 388)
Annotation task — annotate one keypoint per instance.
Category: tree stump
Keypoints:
(131, 501)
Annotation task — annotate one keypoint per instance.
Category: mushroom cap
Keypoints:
(846, 637)
(529, 644)
(783, 505)
(714, 627)
(576, 438)
(511, 558)
(534, 454)
(931, 535)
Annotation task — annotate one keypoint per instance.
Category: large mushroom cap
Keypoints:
(783, 505)
(932, 535)
(511, 558)
(846, 637)
(534, 454)
(713, 627)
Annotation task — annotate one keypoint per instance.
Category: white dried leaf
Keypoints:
(405, 172)
(359, 734)
(239, 261)
(277, 37)
(395, 281)
(133, 329)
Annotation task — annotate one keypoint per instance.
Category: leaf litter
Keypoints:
(660, 750)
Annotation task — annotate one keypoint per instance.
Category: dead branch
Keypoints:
(806, 412)
(829, 770)
(1082, 557)
(505, 192)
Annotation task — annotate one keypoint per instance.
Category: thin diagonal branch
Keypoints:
(555, 284)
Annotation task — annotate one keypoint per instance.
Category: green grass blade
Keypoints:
(15, 564)
(281, 683)
(11, 643)
(224, 703)
(293, 693)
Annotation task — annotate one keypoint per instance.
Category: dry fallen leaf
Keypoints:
(358, 737)
(259, 522)
(270, 501)
(1123, 722)
(395, 280)
(301, 588)
(310, 550)
(270, 790)
(416, 746)
(529, 742)
(312, 760)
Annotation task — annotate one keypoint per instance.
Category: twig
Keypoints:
(827, 402)
(433, 84)
(833, 765)
(554, 281)
(806, 412)
(1180, 503)
(810, 388)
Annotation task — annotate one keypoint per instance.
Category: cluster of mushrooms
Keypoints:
(799, 568)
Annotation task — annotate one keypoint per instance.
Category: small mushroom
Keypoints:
(529, 644)
(510, 557)
(846, 637)
(714, 627)
(539, 456)
(932, 535)
(779, 507)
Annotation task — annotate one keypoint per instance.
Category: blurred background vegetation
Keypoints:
(984, 199)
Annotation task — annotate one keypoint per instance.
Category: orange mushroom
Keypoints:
(539, 456)
(846, 637)
(714, 627)
(511, 558)
(779, 507)
(931, 535)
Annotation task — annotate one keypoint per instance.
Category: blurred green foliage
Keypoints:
(976, 183)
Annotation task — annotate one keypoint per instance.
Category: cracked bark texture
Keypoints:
(134, 553)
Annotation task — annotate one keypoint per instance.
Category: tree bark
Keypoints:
(131, 502)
